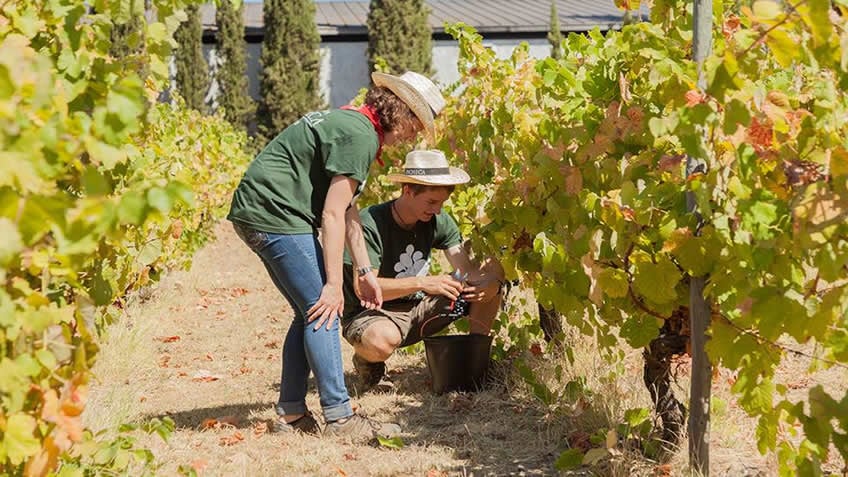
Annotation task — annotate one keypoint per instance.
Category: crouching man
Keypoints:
(400, 235)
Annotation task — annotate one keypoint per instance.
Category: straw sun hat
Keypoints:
(429, 167)
(418, 92)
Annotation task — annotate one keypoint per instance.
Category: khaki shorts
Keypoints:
(414, 320)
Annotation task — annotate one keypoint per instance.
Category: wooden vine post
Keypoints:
(700, 390)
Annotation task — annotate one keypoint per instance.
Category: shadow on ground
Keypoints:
(244, 415)
(494, 433)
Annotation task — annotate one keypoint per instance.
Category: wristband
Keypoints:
(362, 271)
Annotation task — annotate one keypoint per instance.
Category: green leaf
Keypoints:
(736, 114)
(613, 282)
(94, 183)
(160, 199)
(635, 417)
(149, 252)
(568, 460)
(640, 329)
(104, 154)
(19, 439)
(28, 365)
(391, 443)
(132, 209)
(656, 281)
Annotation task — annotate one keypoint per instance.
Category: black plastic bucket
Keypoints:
(458, 362)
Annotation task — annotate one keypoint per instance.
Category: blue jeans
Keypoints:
(296, 266)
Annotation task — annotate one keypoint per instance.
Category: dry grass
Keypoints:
(205, 350)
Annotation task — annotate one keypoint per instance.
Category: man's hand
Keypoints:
(369, 292)
(328, 307)
(482, 292)
(444, 285)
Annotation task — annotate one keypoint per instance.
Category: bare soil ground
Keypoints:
(205, 350)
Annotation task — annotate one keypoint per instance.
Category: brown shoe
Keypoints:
(306, 424)
(360, 428)
(370, 374)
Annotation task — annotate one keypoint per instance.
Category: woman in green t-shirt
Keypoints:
(305, 180)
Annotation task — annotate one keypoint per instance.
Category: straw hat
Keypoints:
(418, 92)
(429, 167)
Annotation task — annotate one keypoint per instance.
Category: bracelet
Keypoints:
(362, 271)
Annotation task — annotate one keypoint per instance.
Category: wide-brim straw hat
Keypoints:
(418, 92)
(429, 167)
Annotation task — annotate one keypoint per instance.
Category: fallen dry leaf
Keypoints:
(238, 291)
(199, 464)
(231, 439)
(663, 470)
(260, 428)
(340, 471)
(167, 339)
(208, 423)
(205, 379)
(349, 456)
(203, 376)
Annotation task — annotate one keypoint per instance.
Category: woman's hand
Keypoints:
(328, 307)
(369, 291)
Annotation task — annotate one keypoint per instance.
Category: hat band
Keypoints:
(427, 171)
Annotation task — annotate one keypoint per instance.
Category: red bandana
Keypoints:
(371, 114)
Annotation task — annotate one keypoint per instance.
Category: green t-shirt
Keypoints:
(284, 188)
(395, 252)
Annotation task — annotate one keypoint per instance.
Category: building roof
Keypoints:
(337, 18)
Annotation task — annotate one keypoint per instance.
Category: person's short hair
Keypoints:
(390, 108)
(419, 188)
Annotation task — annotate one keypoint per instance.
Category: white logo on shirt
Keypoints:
(314, 118)
(412, 263)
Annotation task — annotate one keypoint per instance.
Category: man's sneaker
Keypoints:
(306, 424)
(370, 374)
(360, 428)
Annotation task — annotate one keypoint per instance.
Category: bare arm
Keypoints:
(484, 280)
(331, 302)
(367, 288)
(393, 288)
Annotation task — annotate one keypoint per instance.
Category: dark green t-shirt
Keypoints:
(284, 188)
(395, 252)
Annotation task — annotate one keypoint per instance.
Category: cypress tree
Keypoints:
(192, 71)
(399, 32)
(555, 35)
(232, 68)
(290, 58)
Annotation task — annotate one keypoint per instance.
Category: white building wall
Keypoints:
(344, 65)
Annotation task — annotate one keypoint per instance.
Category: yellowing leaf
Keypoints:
(784, 48)
(628, 4)
(19, 439)
(10, 241)
(765, 10)
(594, 456)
